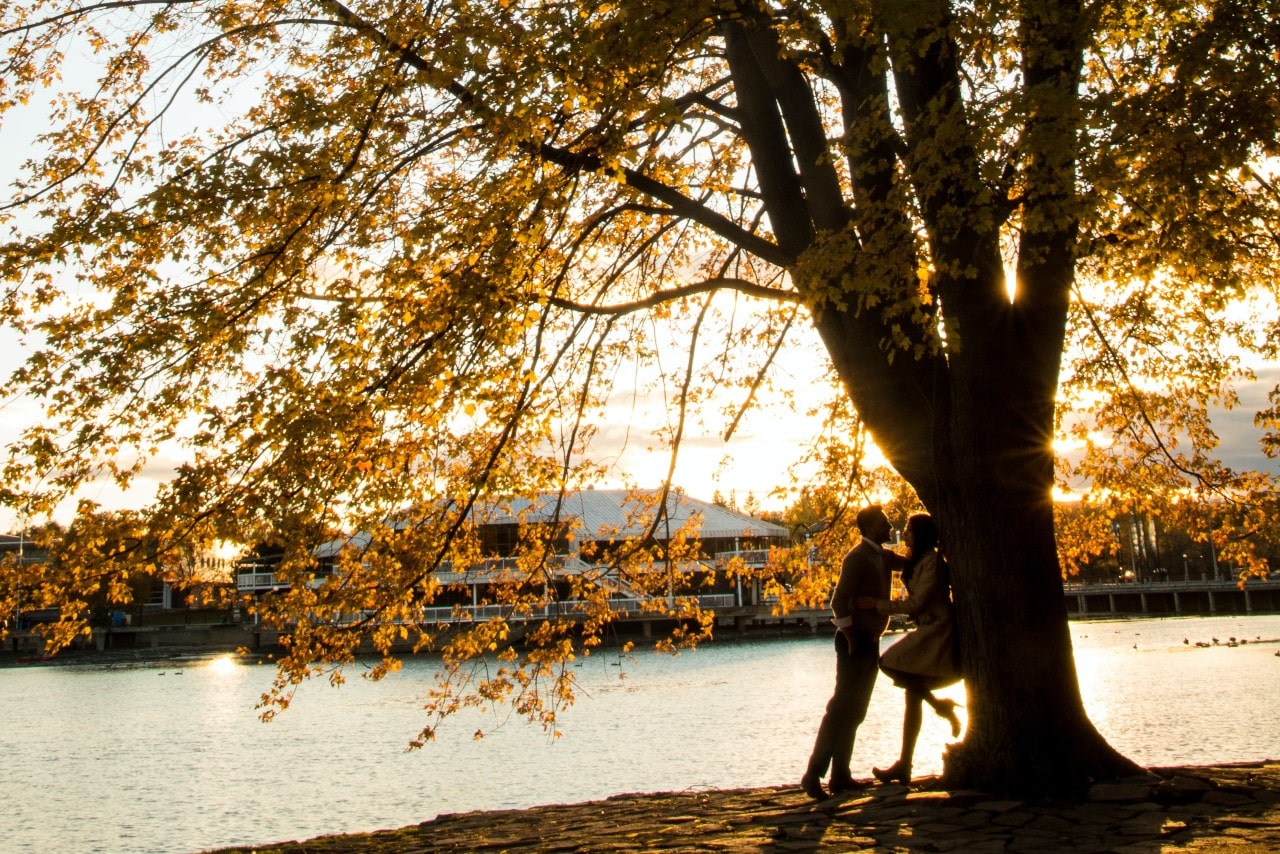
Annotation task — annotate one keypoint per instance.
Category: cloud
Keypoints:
(1239, 437)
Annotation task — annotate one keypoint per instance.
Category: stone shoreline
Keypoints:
(1221, 808)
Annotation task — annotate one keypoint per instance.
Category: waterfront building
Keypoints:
(583, 526)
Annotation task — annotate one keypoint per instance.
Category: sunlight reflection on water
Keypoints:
(173, 759)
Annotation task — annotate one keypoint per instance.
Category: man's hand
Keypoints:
(847, 634)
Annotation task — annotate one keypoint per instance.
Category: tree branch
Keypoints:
(1118, 365)
(766, 136)
(680, 204)
(577, 161)
(723, 283)
(758, 379)
(804, 127)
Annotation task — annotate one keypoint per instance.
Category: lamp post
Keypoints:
(17, 606)
(1186, 572)
(1115, 532)
(1133, 548)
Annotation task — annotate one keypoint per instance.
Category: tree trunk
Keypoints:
(1028, 730)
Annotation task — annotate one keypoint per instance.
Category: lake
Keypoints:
(171, 757)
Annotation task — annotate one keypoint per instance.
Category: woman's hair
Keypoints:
(924, 539)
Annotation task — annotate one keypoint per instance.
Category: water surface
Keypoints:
(168, 758)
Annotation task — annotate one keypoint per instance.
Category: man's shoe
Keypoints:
(813, 787)
(844, 787)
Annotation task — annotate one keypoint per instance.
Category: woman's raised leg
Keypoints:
(945, 709)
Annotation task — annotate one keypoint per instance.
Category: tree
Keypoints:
(1138, 396)
(389, 259)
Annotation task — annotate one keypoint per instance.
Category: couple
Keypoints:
(922, 661)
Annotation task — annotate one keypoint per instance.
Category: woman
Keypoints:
(925, 659)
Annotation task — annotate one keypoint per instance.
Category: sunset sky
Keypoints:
(754, 461)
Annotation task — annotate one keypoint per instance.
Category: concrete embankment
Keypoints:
(1229, 808)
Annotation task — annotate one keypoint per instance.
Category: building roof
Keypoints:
(605, 514)
(622, 513)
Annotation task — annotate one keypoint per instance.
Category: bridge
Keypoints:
(1201, 598)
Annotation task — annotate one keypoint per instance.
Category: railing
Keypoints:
(1175, 597)
(248, 582)
(756, 558)
(258, 581)
(569, 609)
(1079, 587)
(494, 570)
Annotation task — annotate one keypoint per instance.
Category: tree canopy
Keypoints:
(377, 265)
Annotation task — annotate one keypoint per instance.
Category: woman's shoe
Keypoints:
(896, 773)
(946, 710)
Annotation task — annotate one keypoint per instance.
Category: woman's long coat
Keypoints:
(929, 650)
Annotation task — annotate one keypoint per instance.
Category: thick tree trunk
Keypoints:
(1028, 731)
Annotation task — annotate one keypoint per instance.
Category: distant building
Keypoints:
(164, 592)
(22, 548)
(587, 524)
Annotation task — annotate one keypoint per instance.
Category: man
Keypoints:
(865, 572)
